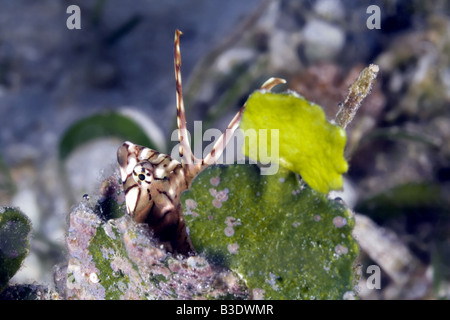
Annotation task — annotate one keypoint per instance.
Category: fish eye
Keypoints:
(142, 173)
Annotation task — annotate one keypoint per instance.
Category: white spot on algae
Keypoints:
(340, 249)
(233, 248)
(217, 203)
(229, 231)
(339, 221)
(296, 224)
(272, 282)
(258, 294)
(215, 181)
(190, 204)
(94, 278)
(231, 222)
(219, 196)
(281, 180)
(222, 195)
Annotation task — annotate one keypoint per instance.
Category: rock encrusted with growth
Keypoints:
(118, 259)
(285, 239)
(15, 230)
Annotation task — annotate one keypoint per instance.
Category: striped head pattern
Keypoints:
(153, 183)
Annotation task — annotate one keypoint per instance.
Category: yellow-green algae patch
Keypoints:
(307, 143)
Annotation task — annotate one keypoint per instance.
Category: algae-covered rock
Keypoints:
(118, 259)
(14, 243)
(257, 237)
(286, 240)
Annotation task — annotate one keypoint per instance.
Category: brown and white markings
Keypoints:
(153, 182)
